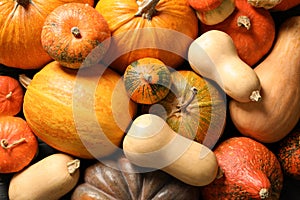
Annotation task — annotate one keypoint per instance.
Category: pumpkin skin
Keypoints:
(138, 33)
(250, 171)
(18, 144)
(72, 31)
(286, 5)
(20, 41)
(64, 109)
(251, 29)
(198, 116)
(147, 80)
(123, 180)
(289, 154)
(11, 96)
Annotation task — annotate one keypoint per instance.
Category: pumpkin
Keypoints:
(11, 96)
(18, 144)
(288, 154)
(195, 108)
(151, 143)
(147, 80)
(83, 113)
(147, 29)
(250, 171)
(271, 119)
(22, 22)
(212, 12)
(120, 179)
(50, 178)
(72, 31)
(251, 29)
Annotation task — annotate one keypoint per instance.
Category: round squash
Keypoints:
(147, 80)
(147, 29)
(119, 179)
(20, 34)
(72, 31)
(18, 144)
(11, 96)
(83, 113)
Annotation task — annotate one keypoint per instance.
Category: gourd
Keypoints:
(120, 179)
(70, 33)
(147, 80)
(47, 179)
(11, 96)
(251, 29)
(194, 108)
(147, 28)
(288, 154)
(84, 113)
(213, 55)
(18, 144)
(20, 34)
(250, 171)
(212, 12)
(150, 142)
(275, 116)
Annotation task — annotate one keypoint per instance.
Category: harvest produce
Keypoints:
(48, 179)
(18, 145)
(120, 179)
(274, 116)
(20, 34)
(70, 33)
(250, 171)
(67, 98)
(227, 70)
(267, 4)
(150, 142)
(11, 96)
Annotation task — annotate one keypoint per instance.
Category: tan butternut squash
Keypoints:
(278, 112)
(150, 142)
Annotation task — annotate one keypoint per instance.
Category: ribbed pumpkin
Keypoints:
(250, 171)
(194, 107)
(147, 80)
(20, 34)
(119, 179)
(160, 29)
(72, 31)
(83, 113)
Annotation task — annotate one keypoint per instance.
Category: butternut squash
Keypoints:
(277, 114)
(214, 56)
(47, 179)
(150, 142)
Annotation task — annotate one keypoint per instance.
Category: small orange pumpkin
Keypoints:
(11, 96)
(72, 31)
(147, 80)
(18, 144)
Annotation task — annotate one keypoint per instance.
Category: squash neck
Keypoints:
(146, 8)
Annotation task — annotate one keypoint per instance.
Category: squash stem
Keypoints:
(255, 96)
(73, 166)
(23, 3)
(244, 21)
(184, 105)
(24, 80)
(9, 95)
(147, 9)
(264, 193)
(76, 32)
(5, 145)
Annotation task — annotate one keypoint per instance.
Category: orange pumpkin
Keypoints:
(20, 34)
(11, 96)
(18, 144)
(159, 29)
(72, 31)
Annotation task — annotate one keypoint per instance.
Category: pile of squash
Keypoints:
(149, 99)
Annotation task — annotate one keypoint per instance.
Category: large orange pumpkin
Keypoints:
(20, 34)
(159, 29)
(82, 113)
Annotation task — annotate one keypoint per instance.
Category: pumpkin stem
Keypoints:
(23, 3)
(76, 32)
(5, 145)
(9, 95)
(264, 193)
(146, 9)
(24, 80)
(184, 105)
(73, 166)
(255, 96)
(244, 21)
